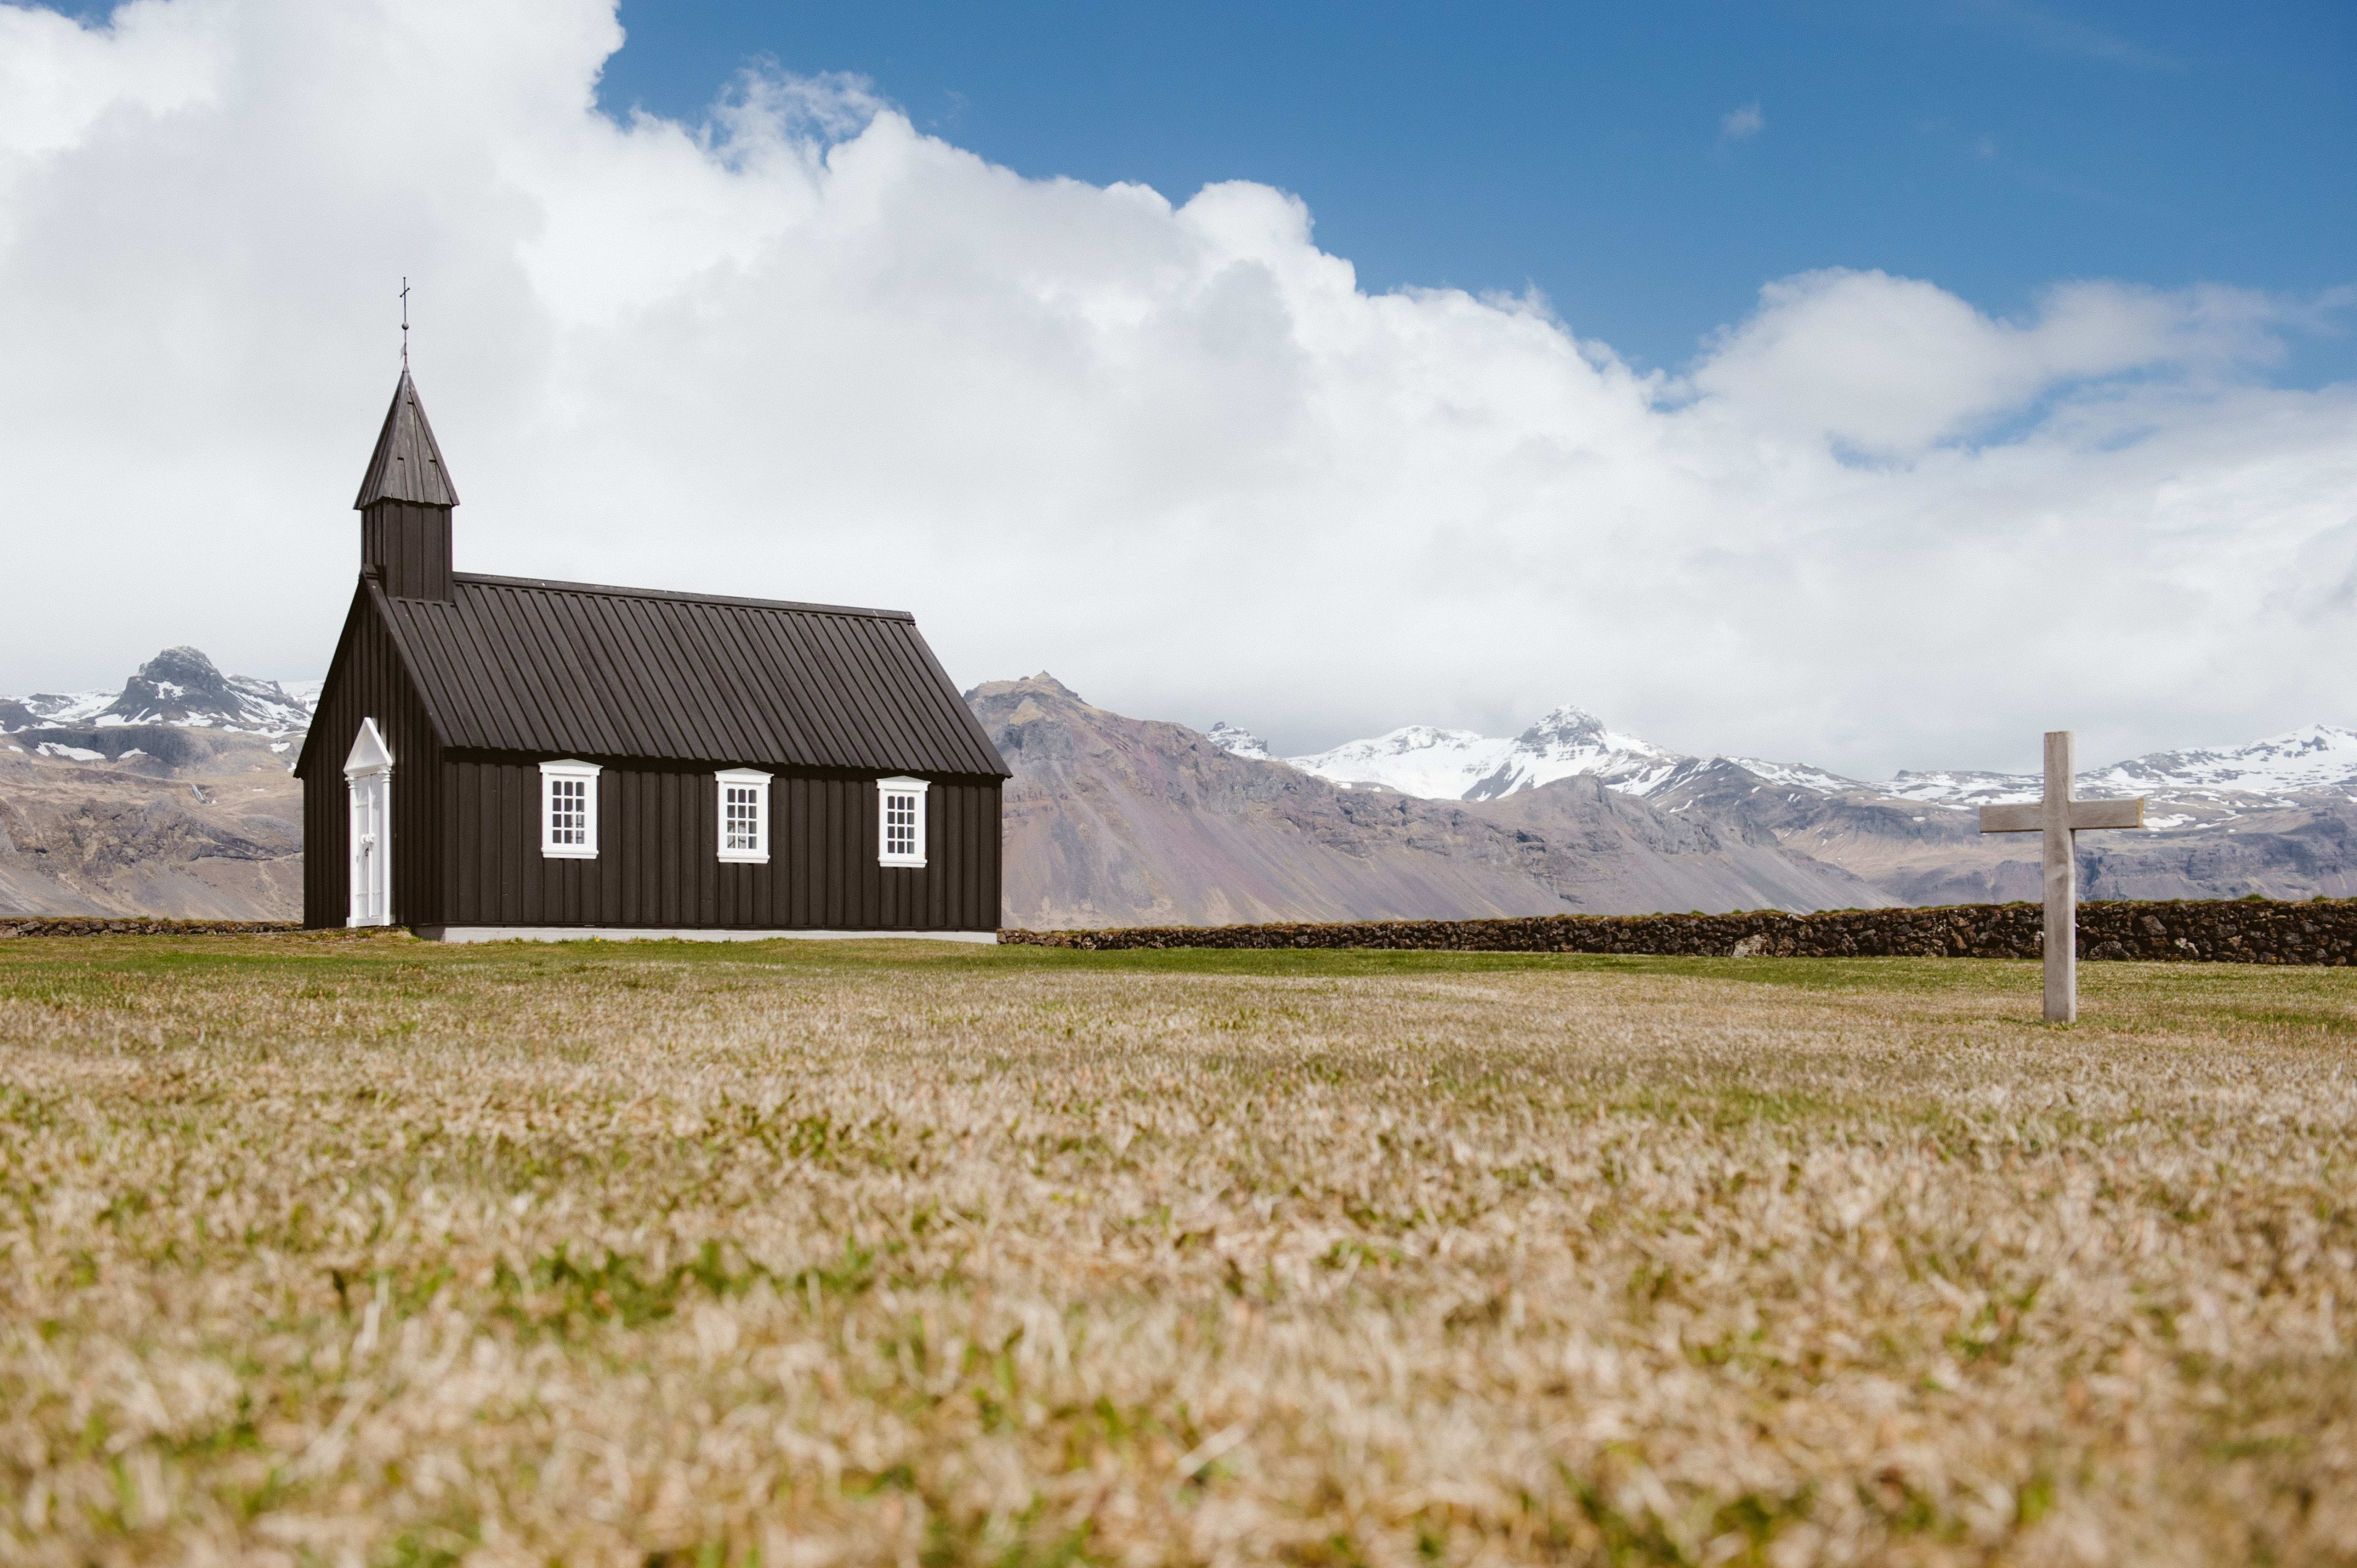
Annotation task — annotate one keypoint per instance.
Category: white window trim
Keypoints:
(741, 777)
(369, 894)
(570, 768)
(885, 789)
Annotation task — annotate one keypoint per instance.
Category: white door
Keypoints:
(368, 781)
(371, 881)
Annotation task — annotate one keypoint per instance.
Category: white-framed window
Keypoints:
(568, 810)
(900, 822)
(744, 815)
(367, 790)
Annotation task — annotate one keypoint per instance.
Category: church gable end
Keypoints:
(369, 680)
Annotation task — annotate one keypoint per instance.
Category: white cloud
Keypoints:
(1171, 452)
(1891, 366)
(1737, 124)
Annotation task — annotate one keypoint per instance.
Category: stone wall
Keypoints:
(2193, 931)
(2320, 931)
(112, 926)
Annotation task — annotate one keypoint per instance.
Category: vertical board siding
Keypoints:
(410, 547)
(658, 866)
(368, 681)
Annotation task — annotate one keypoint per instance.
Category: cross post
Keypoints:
(2059, 817)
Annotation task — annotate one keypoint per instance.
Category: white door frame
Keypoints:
(367, 790)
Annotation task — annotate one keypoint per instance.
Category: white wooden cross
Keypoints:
(2058, 816)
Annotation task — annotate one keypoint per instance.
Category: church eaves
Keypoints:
(407, 464)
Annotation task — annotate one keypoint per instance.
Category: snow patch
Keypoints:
(1437, 764)
(2319, 756)
(1238, 742)
(1797, 775)
(65, 707)
(1462, 765)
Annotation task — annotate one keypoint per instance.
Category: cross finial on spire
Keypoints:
(405, 322)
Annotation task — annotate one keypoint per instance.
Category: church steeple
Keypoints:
(404, 503)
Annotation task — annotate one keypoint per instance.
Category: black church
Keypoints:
(503, 756)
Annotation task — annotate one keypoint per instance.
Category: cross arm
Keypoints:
(2107, 814)
(2028, 817)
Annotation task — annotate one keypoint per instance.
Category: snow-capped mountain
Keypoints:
(179, 686)
(1460, 765)
(53, 708)
(1238, 742)
(1437, 764)
(1569, 741)
(2317, 756)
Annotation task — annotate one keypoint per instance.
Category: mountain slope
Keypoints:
(1921, 852)
(1112, 821)
(2272, 817)
(169, 798)
(139, 819)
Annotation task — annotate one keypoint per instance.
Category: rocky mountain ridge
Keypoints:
(2277, 817)
(1112, 821)
(171, 797)
(1461, 764)
(179, 687)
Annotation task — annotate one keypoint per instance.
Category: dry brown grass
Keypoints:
(380, 1253)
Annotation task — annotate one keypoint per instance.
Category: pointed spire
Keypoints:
(406, 464)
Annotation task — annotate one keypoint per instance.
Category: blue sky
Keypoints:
(1994, 148)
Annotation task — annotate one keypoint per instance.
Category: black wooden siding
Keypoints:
(658, 865)
(410, 545)
(367, 680)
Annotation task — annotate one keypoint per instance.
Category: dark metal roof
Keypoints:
(406, 464)
(558, 669)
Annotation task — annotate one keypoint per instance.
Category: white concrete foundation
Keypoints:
(690, 934)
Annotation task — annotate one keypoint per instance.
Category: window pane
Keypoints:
(900, 824)
(742, 804)
(568, 811)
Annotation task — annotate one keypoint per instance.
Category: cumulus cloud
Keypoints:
(1169, 450)
(1892, 366)
(1739, 124)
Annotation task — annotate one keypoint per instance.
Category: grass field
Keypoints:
(372, 1251)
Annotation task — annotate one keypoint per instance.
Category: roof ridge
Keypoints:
(551, 584)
